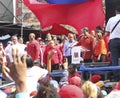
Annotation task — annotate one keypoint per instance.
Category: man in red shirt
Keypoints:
(88, 42)
(53, 56)
(33, 47)
(72, 69)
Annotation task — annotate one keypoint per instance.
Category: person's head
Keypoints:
(98, 28)
(52, 43)
(54, 37)
(20, 40)
(90, 90)
(85, 31)
(55, 84)
(72, 69)
(31, 36)
(93, 33)
(14, 39)
(47, 90)
(85, 75)
(99, 36)
(40, 40)
(71, 91)
(70, 37)
(48, 37)
(63, 38)
(29, 61)
(75, 81)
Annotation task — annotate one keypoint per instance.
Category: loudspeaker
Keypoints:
(110, 8)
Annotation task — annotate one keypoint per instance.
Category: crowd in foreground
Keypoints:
(72, 86)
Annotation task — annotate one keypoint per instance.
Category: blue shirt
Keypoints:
(22, 95)
(67, 49)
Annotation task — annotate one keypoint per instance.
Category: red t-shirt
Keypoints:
(33, 49)
(88, 43)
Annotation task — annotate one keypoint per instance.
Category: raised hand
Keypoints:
(17, 70)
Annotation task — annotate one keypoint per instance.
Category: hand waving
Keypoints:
(17, 70)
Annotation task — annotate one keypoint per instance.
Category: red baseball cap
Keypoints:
(95, 78)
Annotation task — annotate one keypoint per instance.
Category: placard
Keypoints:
(76, 54)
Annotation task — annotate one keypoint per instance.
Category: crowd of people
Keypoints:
(29, 65)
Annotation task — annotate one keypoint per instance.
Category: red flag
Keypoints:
(87, 14)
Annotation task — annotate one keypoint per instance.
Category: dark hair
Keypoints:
(98, 28)
(72, 66)
(85, 29)
(29, 61)
(85, 75)
(47, 90)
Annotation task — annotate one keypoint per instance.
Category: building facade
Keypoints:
(25, 16)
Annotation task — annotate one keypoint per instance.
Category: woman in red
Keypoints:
(100, 48)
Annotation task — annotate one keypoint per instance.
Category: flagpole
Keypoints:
(14, 11)
(22, 19)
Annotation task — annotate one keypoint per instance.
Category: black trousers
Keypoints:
(114, 46)
(69, 58)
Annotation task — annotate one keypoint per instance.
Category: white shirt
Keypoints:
(20, 47)
(33, 75)
(110, 25)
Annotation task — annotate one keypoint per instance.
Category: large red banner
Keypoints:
(86, 14)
